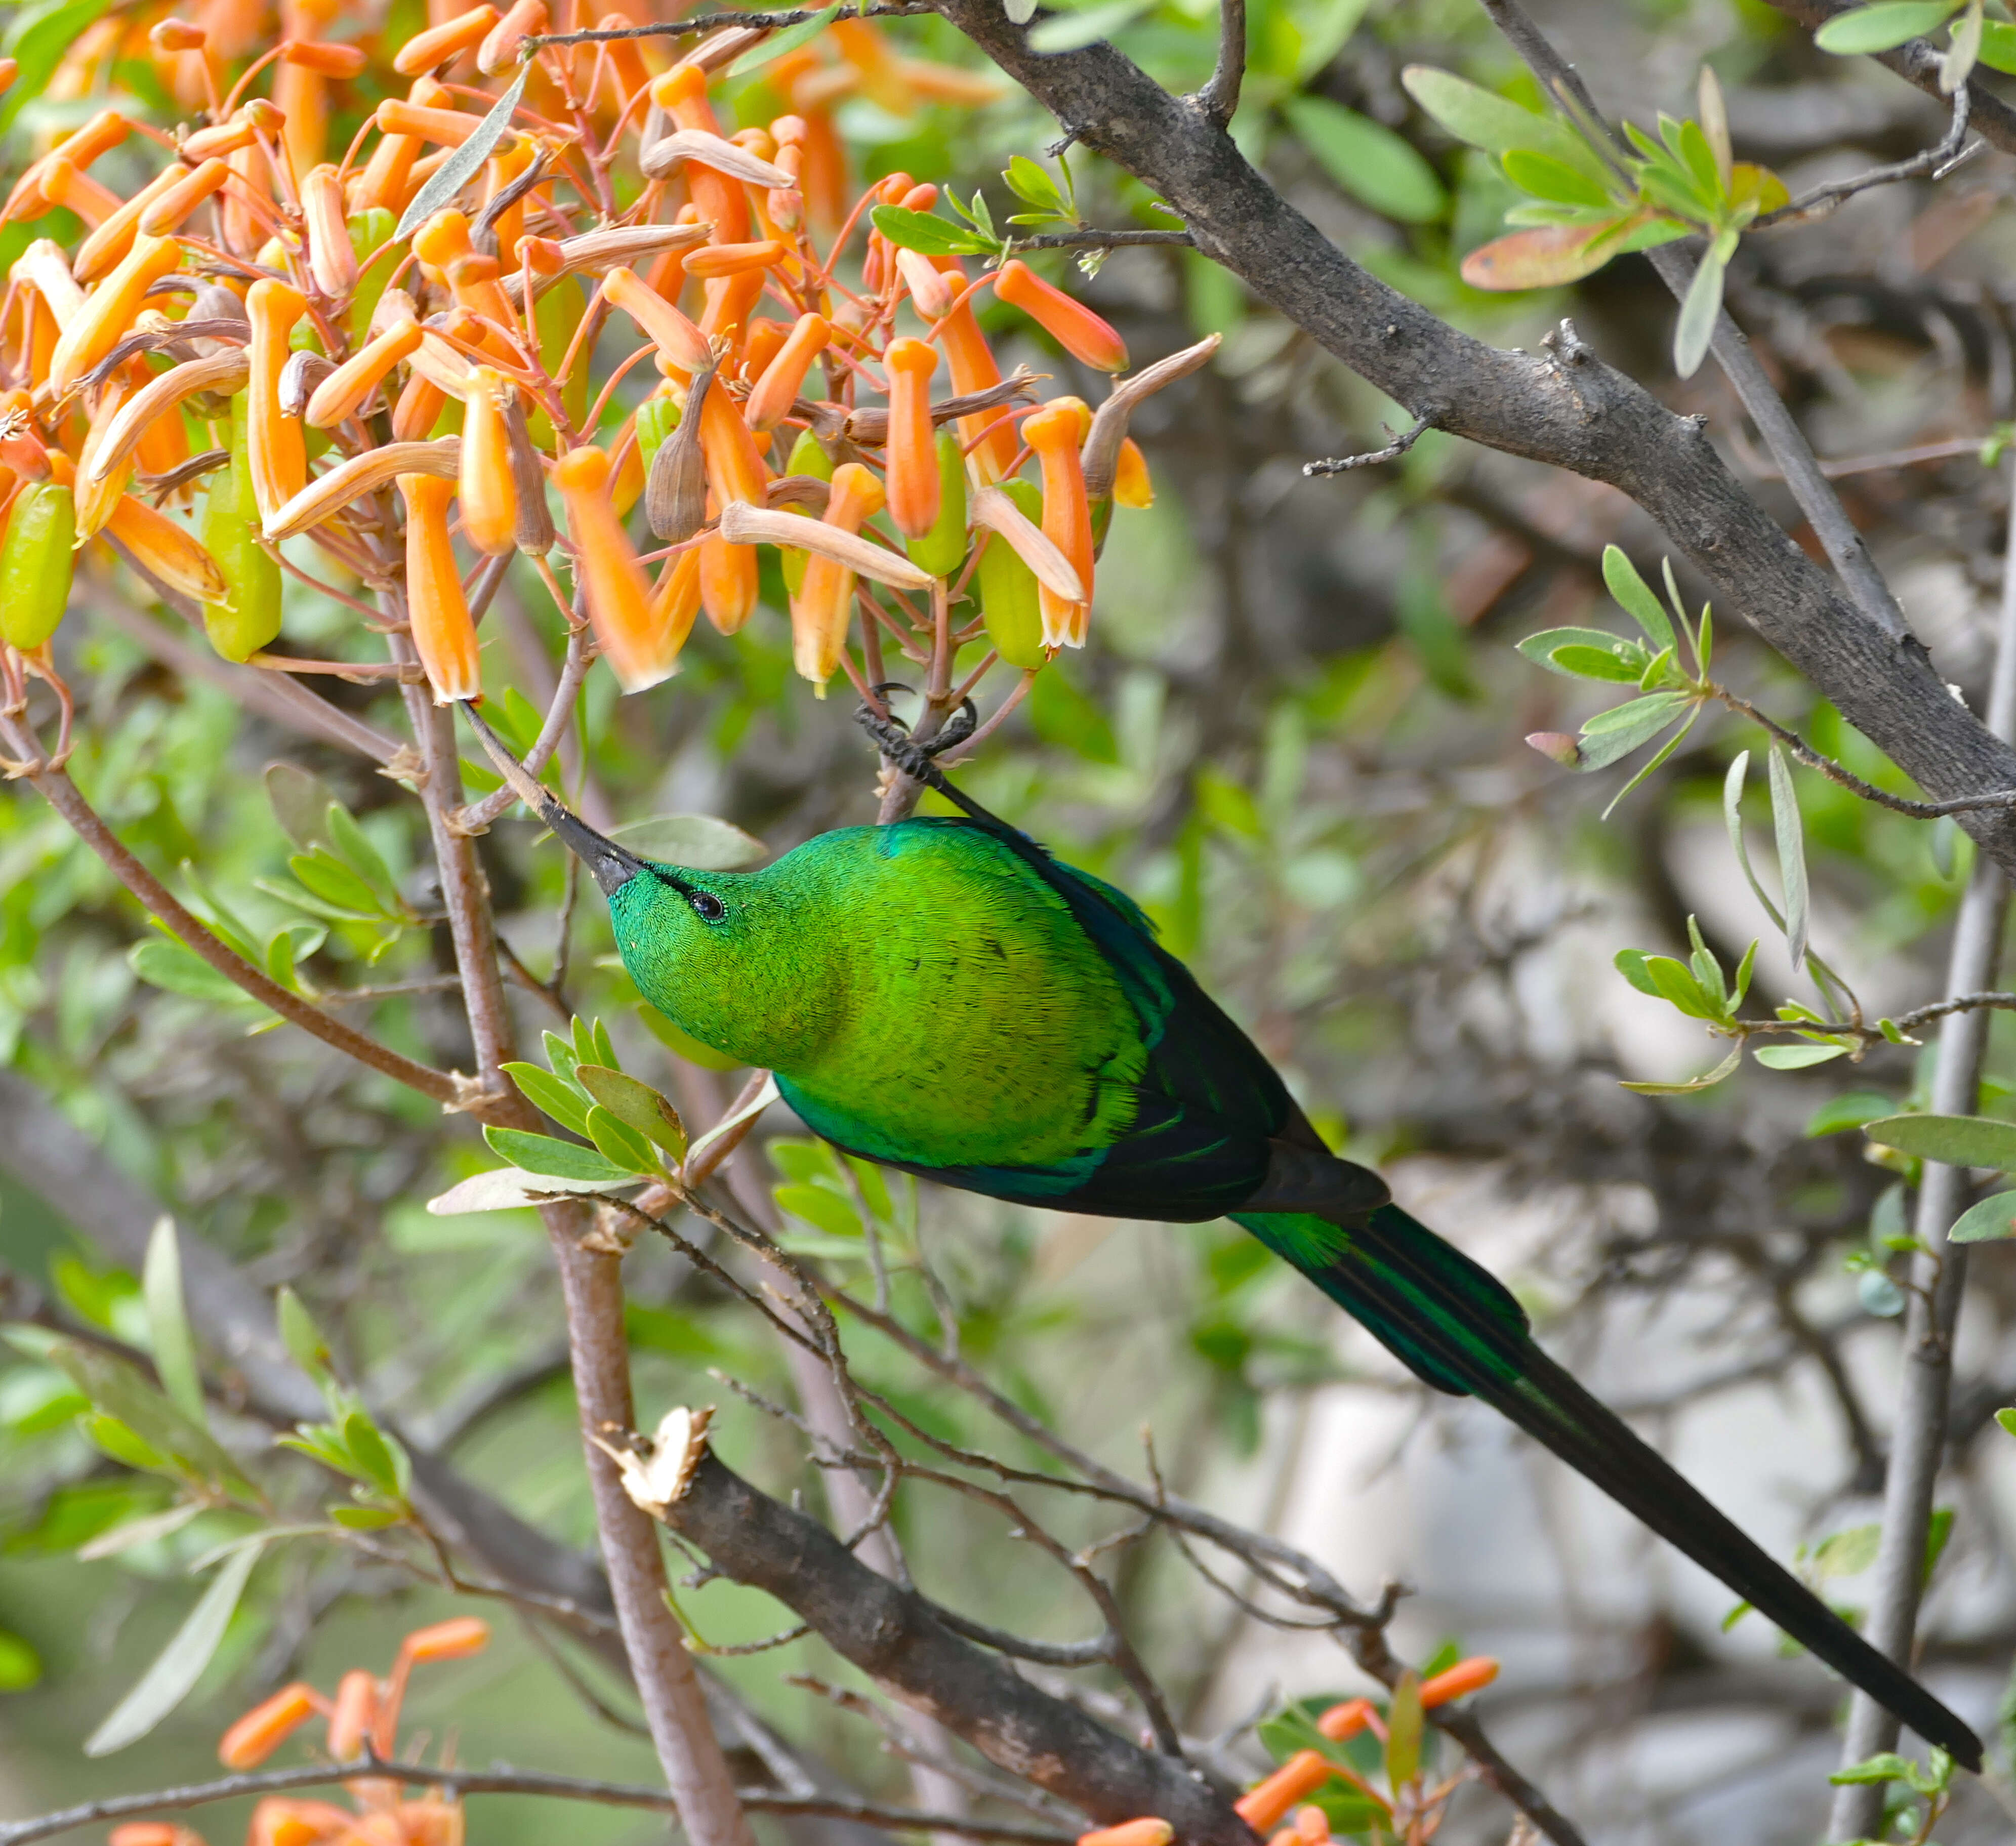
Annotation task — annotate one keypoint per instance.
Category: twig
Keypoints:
(1938, 161)
(502, 1779)
(1817, 500)
(707, 22)
(1103, 239)
(1842, 466)
(1939, 1273)
(1391, 452)
(1217, 101)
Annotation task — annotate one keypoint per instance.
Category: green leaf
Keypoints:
(301, 1337)
(1539, 649)
(373, 1454)
(1630, 962)
(1798, 1057)
(1694, 331)
(1074, 31)
(366, 1519)
(1376, 166)
(1850, 1111)
(21, 1666)
(1033, 186)
(120, 1389)
(1479, 117)
(180, 1664)
(37, 40)
(1634, 596)
(1962, 49)
(2007, 1420)
(1544, 177)
(347, 840)
(1677, 983)
(1883, 27)
(636, 1105)
(1615, 734)
(821, 1207)
(168, 1324)
(697, 841)
(551, 1094)
(789, 40)
(1889, 1766)
(552, 1158)
(177, 969)
(620, 1143)
(1938, 1529)
(464, 165)
(1998, 46)
(1844, 1554)
(1792, 853)
(1707, 1080)
(324, 875)
(1403, 1731)
(1986, 1220)
(1613, 663)
(924, 231)
(1954, 1140)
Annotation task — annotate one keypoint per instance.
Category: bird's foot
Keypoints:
(914, 757)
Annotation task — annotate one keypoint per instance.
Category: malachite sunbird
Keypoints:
(944, 997)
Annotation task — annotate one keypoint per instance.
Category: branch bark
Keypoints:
(1565, 408)
(1918, 1439)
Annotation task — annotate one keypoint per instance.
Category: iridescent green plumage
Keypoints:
(943, 996)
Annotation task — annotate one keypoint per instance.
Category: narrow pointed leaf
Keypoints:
(168, 1324)
(554, 1159)
(1993, 1217)
(1791, 853)
(1634, 596)
(1953, 1140)
(464, 165)
(1694, 331)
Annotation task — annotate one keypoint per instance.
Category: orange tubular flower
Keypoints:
(676, 602)
(450, 128)
(278, 456)
(1465, 1677)
(444, 636)
(389, 172)
(970, 361)
(326, 60)
(443, 243)
(453, 1639)
(681, 94)
(278, 1821)
(619, 594)
(781, 380)
(682, 344)
(730, 301)
(513, 156)
(717, 260)
(488, 494)
(1131, 486)
(351, 384)
(350, 1719)
(226, 138)
(824, 604)
(1131, 1833)
(169, 550)
(108, 310)
(438, 44)
(165, 214)
(499, 49)
(62, 183)
(1263, 1805)
(912, 461)
(734, 471)
(332, 261)
(1052, 433)
(1346, 1720)
(301, 92)
(112, 241)
(269, 1724)
(1072, 325)
(418, 410)
(103, 132)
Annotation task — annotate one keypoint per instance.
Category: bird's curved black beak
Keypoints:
(612, 867)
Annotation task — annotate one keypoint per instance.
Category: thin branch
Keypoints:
(1219, 100)
(1938, 161)
(1102, 239)
(560, 713)
(502, 1779)
(707, 22)
(1391, 452)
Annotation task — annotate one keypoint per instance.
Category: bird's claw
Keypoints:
(909, 754)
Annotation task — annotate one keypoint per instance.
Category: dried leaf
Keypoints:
(743, 524)
(361, 475)
(675, 489)
(995, 511)
(662, 158)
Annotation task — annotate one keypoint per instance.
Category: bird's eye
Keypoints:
(708, 907)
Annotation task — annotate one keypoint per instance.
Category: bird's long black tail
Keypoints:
(1454, 1324)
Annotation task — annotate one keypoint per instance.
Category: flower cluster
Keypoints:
(363, 1715)
(407, 346)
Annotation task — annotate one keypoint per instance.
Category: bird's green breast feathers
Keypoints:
(922, 994)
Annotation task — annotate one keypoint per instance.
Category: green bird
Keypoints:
(942, 996)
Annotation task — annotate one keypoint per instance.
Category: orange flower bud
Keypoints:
(676, 602)
(279, 1822)
(970, 361)
(515, 153)
(729, 582)
(452, 1639)
(349, 1721)
(300, 93)
(444, 636)
(619, 594)
(62, 183)
(499, 49)
(226, 138)
(325, 59)
(1263, 1805)
(389, 172)
(151, 1832)
(104, 131)
(763, 341)
(10, 68)
(489, 497)
(169, 550)
(682, 93)
(109, 244)
(166, 212)
(717, 260)
(824, 604)
(108, 311)
(624, 62)
(1072, 325)
(438, 44)
(418, 410)
(682, 344)
(263, 1729)
(332, 261)
(1465, 1677)
(912, 453)
(1131, 487)
(277, 456)
(777, 389)
(932, 289)
(735, 469)
(1344, 1721)
(1130, 1833)
(351, 384)
(1312, 1825)
(450, 128)
(730, 300)
(1052, 433)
